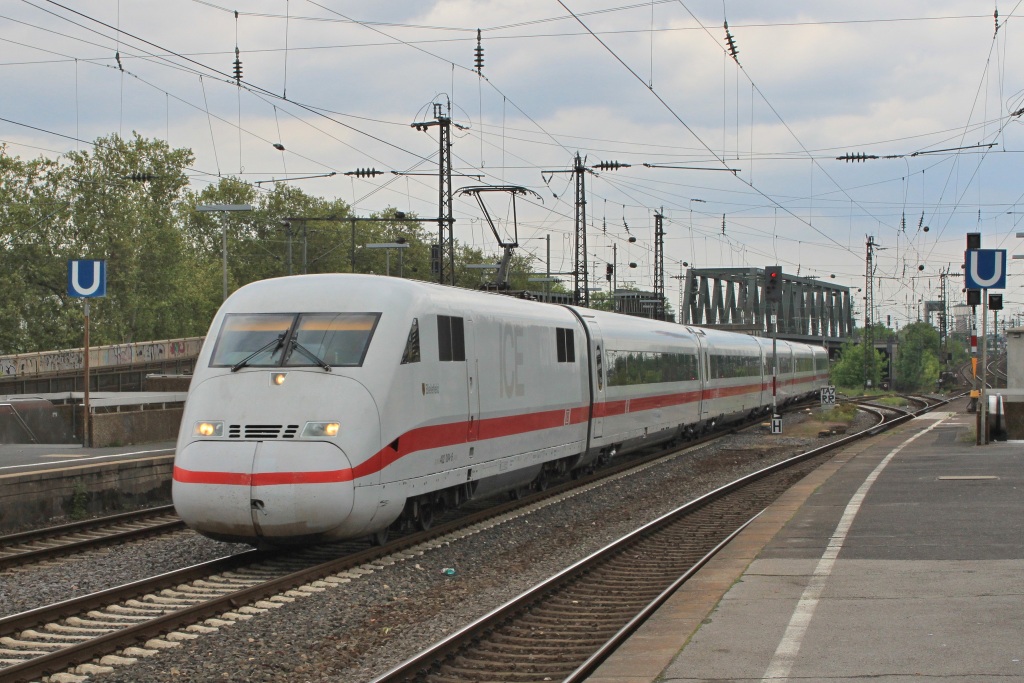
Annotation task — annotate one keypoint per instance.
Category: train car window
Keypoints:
(566, 346)
(245, 335)
(627, 368)
(338, 339)
(729, 366)
(412, 344)
(451, 338)
(458, 340)
(785, 362)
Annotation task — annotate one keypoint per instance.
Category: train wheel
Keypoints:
(379, 538)
(541, 482)
(425, 518)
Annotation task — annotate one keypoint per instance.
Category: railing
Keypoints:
(10, 410)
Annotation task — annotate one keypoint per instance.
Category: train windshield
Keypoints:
(293, 339)
(338, 339)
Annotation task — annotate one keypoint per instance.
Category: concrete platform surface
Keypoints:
(22, 458)
(900, 559)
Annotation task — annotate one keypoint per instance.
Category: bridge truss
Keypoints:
(733, 299)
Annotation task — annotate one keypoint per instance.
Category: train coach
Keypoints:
(333, 406)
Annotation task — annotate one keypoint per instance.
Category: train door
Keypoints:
(598, 354)
(472, 382)
(704, 372)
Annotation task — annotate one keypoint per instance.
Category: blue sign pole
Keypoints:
(87, 279)
(984, 269)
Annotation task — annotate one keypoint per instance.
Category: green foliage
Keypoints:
(78, 506)
(849, 370)
(841, 412)
(128, 201)
(917, 360)
(602, 301)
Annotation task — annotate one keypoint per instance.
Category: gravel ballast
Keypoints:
(358, 630)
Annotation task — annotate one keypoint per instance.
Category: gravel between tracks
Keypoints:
(359, 630)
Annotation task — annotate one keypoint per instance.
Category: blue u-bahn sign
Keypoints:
(87, 279)
(985, 269)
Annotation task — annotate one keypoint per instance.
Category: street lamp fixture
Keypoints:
(206, 208)
(388, 246)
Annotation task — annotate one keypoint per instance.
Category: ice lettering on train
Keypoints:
(511, 359)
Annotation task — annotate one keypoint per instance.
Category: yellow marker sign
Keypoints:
(974, 366)
(975, 393)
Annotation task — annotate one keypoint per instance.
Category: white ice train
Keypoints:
(333, 406)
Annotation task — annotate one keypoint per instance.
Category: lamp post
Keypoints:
(387, 247)
(547, 280)
(224, 233)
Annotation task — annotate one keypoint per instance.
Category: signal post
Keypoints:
(772, 296)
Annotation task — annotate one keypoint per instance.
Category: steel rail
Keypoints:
(16, 556)
(419, 666)
(85, 651)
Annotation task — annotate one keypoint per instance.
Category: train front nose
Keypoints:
(263, 491)
(272, 463)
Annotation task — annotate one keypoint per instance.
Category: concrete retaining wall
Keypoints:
(53, 496)
(166, 382)
(135, 426)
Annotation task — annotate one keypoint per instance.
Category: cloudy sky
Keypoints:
(932, 89)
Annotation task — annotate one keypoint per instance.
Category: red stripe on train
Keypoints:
(261, 478)
(455, 433)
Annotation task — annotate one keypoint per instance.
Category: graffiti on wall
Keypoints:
(115, 355)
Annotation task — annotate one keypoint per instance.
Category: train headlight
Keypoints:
(314, 430)
(278, 378)
(208, 429)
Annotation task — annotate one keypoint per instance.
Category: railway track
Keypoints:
(563, 628)
(41, 545)
(143, 617)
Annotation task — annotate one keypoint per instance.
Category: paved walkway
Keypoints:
(901, 559)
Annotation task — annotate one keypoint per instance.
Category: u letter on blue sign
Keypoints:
(985, 269)
(87, 279)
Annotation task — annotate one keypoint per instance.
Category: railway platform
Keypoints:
(902, 558)
(43, 483)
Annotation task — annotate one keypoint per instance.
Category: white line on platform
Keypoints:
(789, 647)
(78, 458)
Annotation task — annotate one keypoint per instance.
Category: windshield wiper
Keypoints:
(296, 346)
(276, 343)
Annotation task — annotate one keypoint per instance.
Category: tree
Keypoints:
(116, 202)
(24, 262)
(917, 359)
(122, 204)
(848, 370)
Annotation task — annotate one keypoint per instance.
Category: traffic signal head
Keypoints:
(608, 270)
(773, 283)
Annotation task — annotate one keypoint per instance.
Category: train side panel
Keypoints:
(735, 385)
(647, 387)
(515, 399)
